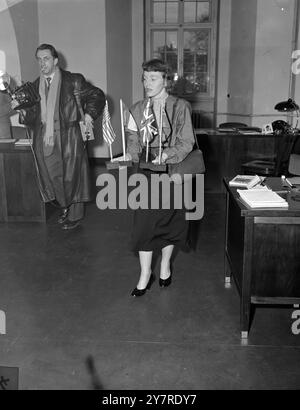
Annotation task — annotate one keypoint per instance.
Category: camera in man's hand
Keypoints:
(24, 96)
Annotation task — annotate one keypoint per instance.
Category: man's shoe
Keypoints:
(70, 225)
(63, 216)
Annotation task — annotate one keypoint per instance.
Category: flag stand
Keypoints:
(117, 164)
(123, 163)
(110, 164)
(153, 167)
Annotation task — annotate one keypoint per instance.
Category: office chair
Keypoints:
(265, 167)
(294, 172)
(269, 166)
(294, 164)
(278, 165)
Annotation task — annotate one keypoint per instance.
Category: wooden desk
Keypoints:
(19, 195)
(262, 254)
(224, 153)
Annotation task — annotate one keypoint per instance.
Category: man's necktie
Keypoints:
(48, 81)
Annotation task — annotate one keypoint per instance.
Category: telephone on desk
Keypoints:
(281, 127)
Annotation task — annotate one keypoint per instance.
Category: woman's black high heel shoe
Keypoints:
(141, 292)
(163, 283)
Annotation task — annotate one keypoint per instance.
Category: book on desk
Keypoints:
(245, 181)
(262, 198)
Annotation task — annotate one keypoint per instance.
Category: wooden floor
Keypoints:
(68, 309)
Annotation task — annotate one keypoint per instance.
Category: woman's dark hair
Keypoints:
(157, 65)
(47, 47)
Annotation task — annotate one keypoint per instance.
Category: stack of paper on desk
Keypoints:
(23, 141)
(262, 198)
(7, 140)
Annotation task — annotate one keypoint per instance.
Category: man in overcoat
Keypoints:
(59, 149)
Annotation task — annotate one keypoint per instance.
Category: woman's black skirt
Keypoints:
(154, 229)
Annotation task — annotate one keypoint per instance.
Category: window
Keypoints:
(183, 33)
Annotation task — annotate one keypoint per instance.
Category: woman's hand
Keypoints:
(163, 159)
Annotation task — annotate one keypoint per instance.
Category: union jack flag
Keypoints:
(148, 124)
(107, 129)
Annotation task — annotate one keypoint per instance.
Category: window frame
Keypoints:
(180, 27)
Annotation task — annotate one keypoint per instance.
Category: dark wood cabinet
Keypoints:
(262, 253)
(20, 199)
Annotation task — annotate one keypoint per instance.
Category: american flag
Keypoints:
(148, 124)
(107, 129)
